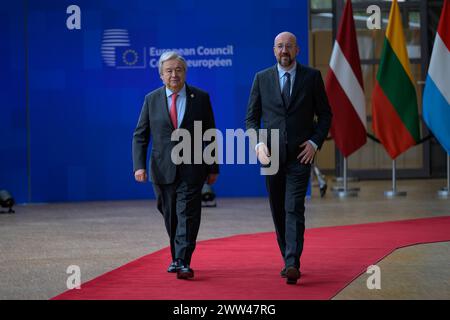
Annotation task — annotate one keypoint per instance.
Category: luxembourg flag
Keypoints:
(436, 97)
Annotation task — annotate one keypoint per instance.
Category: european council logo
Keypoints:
(117, 52)
(130, 58)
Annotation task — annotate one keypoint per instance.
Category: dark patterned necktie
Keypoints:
(286, 93)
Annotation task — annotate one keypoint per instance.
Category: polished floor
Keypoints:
(39, 242)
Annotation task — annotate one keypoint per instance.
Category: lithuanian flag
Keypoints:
(394, 101)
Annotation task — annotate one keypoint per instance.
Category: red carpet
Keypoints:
(247, 266)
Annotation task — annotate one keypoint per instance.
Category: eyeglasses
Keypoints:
(288, 46)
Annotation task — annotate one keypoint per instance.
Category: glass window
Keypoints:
(321, 4)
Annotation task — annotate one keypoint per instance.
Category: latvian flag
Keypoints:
(345, 89)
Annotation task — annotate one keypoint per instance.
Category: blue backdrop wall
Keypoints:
(70, 99)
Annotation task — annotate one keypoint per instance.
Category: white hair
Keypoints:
(170, 55)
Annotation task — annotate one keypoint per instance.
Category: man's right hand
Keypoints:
(262, 152)
(140, 175)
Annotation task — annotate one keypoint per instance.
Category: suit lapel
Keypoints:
(276, 77)
(298, 83)
(163, 102)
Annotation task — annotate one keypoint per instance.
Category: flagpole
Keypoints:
(394, 193)
(444, 192)
(345, 192)
(340, 181)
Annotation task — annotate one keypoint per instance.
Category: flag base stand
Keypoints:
(444, 192)
(340, 188)
(341, 181)
(394, 193)
(343, 191)
(349, 179)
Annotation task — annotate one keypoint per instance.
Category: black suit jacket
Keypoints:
(296, 122)
(154, 122)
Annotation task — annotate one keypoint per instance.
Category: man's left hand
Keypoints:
(307, 155)
(211, 179)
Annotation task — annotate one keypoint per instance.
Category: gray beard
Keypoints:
(285, 62)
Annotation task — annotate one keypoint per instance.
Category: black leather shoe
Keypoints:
(283, 272)
(173, 267)
(185, 272)
(292, 275)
